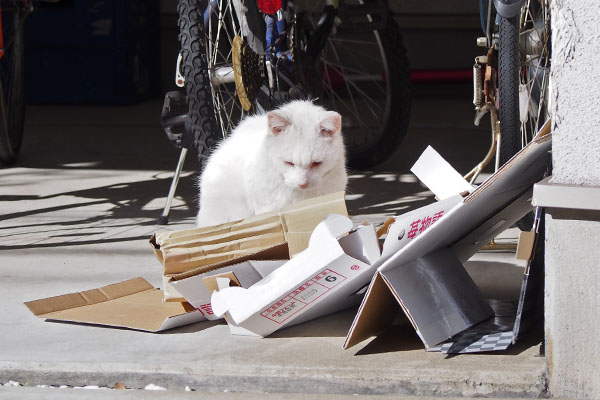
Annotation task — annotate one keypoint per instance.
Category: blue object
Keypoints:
(94, 51)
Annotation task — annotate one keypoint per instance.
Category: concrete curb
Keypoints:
(408, 382)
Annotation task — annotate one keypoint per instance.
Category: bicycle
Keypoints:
(240, 57)
(248, 56)
(12, 77)
(511, 81)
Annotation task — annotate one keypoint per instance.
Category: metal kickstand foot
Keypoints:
(164, 218)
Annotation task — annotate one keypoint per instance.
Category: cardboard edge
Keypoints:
(42, 307)
(537, 141)
(186, 318)
(374, 314)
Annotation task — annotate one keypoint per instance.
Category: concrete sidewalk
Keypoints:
(76, 214)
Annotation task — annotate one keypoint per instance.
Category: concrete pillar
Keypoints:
(572, 237)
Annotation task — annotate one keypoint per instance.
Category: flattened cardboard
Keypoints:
(133, 304)
(320, 280)
(271, 236)
(500, 201)
(438, 294)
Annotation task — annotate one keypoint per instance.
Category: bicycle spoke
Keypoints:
(351, 110)
(367, 77)
(365, 97)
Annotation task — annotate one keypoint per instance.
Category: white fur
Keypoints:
(248, 173)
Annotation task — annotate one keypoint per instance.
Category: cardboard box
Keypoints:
(133, 304)
(425, 278)
(320, 280)
(273, 236)
(197, 289)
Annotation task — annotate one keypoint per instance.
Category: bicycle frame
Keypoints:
(1, 35)
(28, 6)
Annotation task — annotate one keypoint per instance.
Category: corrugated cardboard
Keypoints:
(133, 304)
(447, 301)
(272, 236)
(320, 280)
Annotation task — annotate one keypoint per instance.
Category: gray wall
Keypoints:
(572, 250)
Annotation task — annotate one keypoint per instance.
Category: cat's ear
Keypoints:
(277, 122)
(330, 124)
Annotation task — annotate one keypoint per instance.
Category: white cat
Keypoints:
(272, 160)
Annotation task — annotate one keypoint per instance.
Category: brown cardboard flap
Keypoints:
(179, 259)
(134, 304)
(203, 249)
(222, 233)
(297, 241)
(545, 129)
(211, 281)
(376, 313)
(279, 252)
(88, 297)
(305, 215)
(525, 246)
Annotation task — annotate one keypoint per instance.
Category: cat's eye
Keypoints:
(291, 164)
(315, 164)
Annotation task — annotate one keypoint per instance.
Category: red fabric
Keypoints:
(269, 7)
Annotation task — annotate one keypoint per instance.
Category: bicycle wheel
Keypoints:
(12, 81)
(194, 68)
(523, 76)
(523, 81)
(508, 87)
(366, 79)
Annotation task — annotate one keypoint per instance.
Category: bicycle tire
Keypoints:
(12, 83)
(194, 68)
(508, 88)
(395, 123)
(523, 64)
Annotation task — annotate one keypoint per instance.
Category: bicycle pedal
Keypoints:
(173, 116)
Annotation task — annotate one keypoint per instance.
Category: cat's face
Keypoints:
(305, 142)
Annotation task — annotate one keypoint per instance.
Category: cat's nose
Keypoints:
(303, 185)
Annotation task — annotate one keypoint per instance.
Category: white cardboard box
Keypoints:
(322, 279)
(426, 278)
(196, 292)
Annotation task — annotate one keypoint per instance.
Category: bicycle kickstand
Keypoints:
(173, 120)
(164, 217)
